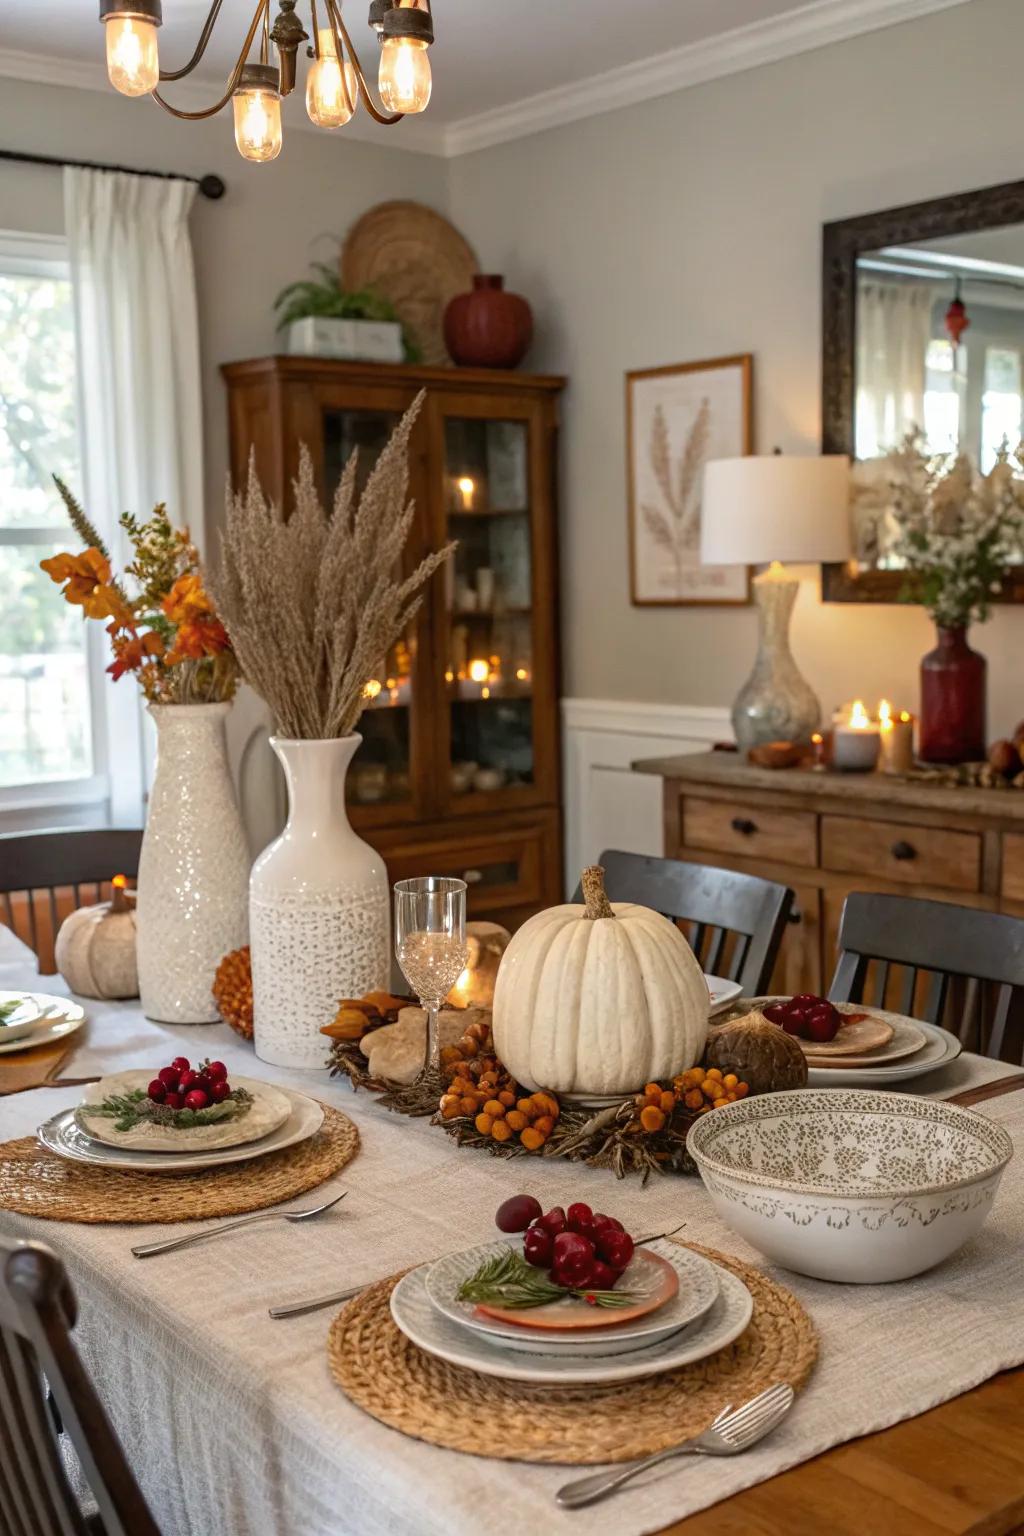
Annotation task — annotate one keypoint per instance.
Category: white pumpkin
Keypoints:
(599, 999)
(95, 949)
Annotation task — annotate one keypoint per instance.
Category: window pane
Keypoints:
(37, 399)
(1000, 404)
(45, 726)
(942, 396)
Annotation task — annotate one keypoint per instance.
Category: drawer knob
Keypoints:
(472, 876)
(902, 850)
(743, 825)
(795, 916)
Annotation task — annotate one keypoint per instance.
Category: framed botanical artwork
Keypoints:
(677, 418)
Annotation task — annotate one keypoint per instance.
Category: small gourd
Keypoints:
(95, 948)
(599, 999)
(759, 1052)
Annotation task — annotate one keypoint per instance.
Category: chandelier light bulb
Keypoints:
(327, 103)
(133, 63)
(404, 78)
(257, 108)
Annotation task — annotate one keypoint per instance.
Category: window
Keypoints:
(47, 726)
(1000, 403)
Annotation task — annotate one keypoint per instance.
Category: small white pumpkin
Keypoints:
(599, 999)
(95, 949)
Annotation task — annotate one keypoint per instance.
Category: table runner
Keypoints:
(235, 1428)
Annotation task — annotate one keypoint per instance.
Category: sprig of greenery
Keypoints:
(6, 1009)
(328, 300)
(508, 1281)
(137, 1108)
(82, 525)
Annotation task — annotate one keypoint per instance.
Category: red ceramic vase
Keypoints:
(953, 685)
(488, 328)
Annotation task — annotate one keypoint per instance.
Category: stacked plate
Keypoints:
(279, 1118)
(684, 1309)
(28, 1019)
(876, 1049)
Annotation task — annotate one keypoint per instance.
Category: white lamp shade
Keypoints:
(775, 507)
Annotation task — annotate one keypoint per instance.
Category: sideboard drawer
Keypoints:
(500, 869)
(1012, 885)
(786, 836)
(907, 854)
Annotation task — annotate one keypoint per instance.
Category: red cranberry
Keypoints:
(172, 1099)
(216, 1070)
(774, 1012)
(822, 1023)
(609, 1223)
(572, 1259)
(603, 1276)
(188, 1080)
(553, 1220)
(196, 1099)
(156, 1091)
(537, 1245)
(219, 1092)
(181, 1064)
(516, 1214)
(615, 1248)
(169, 1077)
(580, 1218)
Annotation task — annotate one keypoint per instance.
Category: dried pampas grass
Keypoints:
(312, 604)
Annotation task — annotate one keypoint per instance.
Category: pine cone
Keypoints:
(232, 991)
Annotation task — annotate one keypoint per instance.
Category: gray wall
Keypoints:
(689, 227)
(247, 246)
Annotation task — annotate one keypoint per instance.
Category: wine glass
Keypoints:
(430, 942)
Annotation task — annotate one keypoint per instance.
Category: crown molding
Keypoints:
(814, 25)
(422, 137)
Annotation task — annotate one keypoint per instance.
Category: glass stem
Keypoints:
(432, 1056)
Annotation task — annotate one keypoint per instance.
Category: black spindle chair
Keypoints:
(938, 962)
(58, 866)
(734, 922)
(37, 1314)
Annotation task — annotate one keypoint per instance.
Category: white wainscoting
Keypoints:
(606, 804)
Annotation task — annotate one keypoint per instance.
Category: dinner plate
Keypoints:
(723, 992)
(907, 1039)
(698, 1288)
(939, 1049)
(58, 1016)
(63, 1136)
(417, 1317)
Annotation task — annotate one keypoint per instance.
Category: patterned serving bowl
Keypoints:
(847, 1184)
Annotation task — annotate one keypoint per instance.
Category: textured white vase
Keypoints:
(319, 909)
(192, 904)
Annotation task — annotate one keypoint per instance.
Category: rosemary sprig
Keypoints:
(136, 1108)
(508, 1281)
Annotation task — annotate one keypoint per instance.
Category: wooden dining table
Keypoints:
(267, 1411)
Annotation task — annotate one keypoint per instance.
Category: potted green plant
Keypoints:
(321, 320)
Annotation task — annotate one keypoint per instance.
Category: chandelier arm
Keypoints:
(334, 19)
(374, 111)
(236, 75)
(201, 46)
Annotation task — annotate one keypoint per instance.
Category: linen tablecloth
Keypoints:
(235, 1428)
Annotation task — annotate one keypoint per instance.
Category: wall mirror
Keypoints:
(892, 359)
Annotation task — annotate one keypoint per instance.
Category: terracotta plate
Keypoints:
(907, 1040)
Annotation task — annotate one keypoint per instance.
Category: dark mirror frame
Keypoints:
(842, 242)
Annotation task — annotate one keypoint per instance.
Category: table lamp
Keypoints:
(764, 510)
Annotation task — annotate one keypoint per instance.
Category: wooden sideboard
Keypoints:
(827, 834)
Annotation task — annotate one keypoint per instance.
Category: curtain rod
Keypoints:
(210, 186)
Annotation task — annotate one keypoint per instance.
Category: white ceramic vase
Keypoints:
(319, 909)
(192, 904)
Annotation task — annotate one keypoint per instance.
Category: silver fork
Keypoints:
(166, 1245)
(733, 1431)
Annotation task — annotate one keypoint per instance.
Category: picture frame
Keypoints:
(677, 418)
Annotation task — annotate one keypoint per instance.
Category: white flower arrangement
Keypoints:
(954, 530)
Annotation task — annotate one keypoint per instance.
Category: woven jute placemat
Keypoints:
(36, 1183)
(402, 1386)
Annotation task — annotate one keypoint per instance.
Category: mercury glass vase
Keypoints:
(319, 910)
(775, 703)
(192, 903)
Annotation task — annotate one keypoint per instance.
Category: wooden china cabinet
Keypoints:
(458, 772)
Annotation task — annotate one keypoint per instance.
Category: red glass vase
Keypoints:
(488, 328)
(953, 686)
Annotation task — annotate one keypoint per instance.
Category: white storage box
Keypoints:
(374, 341)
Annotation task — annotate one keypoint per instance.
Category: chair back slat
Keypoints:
(46, 871)
(37, 1353)
(749, 912)
(716, 950)
(961, 951)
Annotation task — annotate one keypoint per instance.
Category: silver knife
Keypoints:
(300, 1308)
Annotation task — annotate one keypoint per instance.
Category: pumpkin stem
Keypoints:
(594, 894)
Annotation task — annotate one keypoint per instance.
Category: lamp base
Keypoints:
(775, 703)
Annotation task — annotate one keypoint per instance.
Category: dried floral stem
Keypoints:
(312, 603)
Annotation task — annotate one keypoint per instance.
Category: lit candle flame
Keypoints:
(479, 671)
(466, 487)
(885, 712)
(371, 689)
(119, 882)
(858, 716)
(905, 717)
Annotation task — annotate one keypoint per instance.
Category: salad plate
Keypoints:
(429, 1329)
(63, 1136)
(905, 1057)
(54, 1018)
(697, 1289)
(18, 1015)
(267, 1108)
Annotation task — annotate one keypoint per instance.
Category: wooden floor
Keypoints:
(957, 1469)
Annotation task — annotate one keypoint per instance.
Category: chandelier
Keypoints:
(335, 83)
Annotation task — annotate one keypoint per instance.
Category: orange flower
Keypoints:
(87, 578)
(205, 637)
(187, 601)
(132, 651)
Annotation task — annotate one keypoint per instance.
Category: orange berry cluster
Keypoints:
(489, 1097)
(696, 1091)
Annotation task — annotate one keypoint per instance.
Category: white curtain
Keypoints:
(894, 326)
(140, 398)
